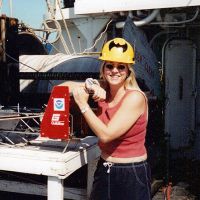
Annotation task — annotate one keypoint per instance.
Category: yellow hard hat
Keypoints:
(117, 50)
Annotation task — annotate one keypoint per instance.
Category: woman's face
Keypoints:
(115, 73)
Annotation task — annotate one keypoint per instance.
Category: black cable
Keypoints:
(19, 62)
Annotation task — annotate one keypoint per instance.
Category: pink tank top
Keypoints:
(131, 143)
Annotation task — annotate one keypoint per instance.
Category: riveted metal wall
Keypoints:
(180, 84)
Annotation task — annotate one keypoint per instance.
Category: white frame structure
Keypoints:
(104, 6)
(49, 161)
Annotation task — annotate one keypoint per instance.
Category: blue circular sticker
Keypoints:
(59, 104)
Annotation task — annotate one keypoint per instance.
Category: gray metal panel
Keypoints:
(8, 124)
(180, 69)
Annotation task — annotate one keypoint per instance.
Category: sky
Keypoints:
(31, 12)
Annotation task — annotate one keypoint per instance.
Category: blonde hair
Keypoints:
(130, 82)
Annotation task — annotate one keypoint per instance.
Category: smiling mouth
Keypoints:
(114, 77)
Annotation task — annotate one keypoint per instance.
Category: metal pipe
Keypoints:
(141, 22)
(3, 36)
(11, 10)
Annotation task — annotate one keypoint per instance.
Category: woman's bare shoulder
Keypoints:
(135, 98)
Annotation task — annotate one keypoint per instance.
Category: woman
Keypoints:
(122, 172)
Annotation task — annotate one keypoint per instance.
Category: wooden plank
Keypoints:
(40, 190)
(55, 188)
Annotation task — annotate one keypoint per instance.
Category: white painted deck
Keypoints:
(45, 157)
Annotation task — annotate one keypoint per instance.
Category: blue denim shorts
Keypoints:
(121, 181)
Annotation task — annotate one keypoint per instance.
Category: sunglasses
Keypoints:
(120, 67)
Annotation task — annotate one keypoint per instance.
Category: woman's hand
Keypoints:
(81, 96)
(98, 93)
(94, 88)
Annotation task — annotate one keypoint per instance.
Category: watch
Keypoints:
(83, 110)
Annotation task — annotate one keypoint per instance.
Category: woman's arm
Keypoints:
(98, 93)
(130, 110)
(73, 84)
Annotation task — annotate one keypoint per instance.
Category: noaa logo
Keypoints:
(59, 104)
